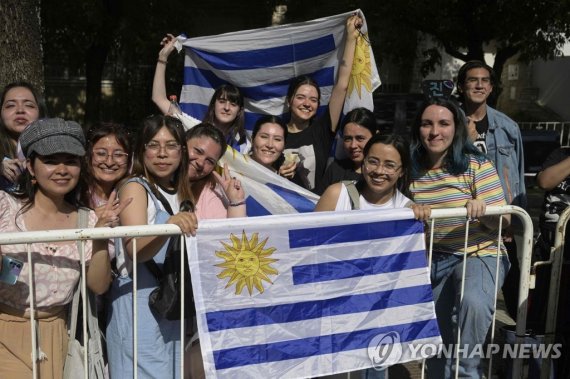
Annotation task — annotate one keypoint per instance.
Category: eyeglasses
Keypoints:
(118, 157)
(170, 147)
(388, 167)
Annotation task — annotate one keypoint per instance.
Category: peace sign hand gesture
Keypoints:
(108, 214)
(232, 186)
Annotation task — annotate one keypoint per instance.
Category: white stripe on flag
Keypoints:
(261, 62)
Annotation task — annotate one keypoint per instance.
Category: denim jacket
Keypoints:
(505, 150)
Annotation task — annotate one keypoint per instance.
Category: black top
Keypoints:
(338, 171)
(313, 146)
(557, 199)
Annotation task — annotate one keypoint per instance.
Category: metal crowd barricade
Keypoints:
(83, 235)
(173, 230)
(525, 266)
(556, 259)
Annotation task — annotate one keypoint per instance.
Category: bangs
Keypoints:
(231, 94)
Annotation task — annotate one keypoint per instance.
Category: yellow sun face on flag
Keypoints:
(361, 70)
(246, 263)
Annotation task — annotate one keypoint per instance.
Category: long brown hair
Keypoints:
(230, 93)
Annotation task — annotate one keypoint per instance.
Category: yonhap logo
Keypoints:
(384, 350)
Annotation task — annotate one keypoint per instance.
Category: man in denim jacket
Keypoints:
(499, 137)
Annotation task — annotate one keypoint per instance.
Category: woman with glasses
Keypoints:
(108, 161)
(157, 189)
(450, 172)
(225, 111)
(384, 185)
(385, 178)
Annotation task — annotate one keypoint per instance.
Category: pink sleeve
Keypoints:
(210, 205)
(4, 211)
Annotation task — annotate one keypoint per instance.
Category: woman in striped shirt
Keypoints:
(448, 172)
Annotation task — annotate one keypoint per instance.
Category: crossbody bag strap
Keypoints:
(151, 265)
(82, 222)
(353, 194)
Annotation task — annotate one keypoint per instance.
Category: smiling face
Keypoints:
(381, 170)
(56, 174)
(109, 161)
(477, 86)
(19, 109)
(304, 103)
(247, 263)
(203, 155)
(268, 144)
(162, 157)
(225, 111)
(437, 130)
(353, 141)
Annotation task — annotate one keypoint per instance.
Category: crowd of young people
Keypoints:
(146, 182)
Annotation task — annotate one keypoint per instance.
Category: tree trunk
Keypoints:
(503, 54)
(96, 57)
(21, 43)
(95, 63)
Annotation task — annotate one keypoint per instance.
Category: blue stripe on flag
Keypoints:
(195, 109)
(205, 78)
(312, 346)
(329, 235)
(297, 201)
(254, 208)
(326, 271)
(239, 318)
(268, 57)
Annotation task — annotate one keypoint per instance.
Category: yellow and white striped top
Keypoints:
(441, 189)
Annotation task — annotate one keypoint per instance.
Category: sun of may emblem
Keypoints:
(361, 70)
(247, 263)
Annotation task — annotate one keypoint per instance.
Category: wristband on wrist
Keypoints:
(237, 203)
(163, 61)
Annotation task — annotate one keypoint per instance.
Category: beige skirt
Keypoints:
(16, 344)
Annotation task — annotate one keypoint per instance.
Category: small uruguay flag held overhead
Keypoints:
(311, 295)
(261, 62)
(267, 193)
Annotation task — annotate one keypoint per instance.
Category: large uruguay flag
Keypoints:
(261, 62)
(311, 295)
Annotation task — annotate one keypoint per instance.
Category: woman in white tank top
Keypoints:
(385, 171)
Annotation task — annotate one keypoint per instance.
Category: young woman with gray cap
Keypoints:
(47, 199)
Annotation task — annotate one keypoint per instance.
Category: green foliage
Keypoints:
(533, 28)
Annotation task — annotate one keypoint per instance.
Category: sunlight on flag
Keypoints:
(266, 192)
(306, 295)
(261, 62)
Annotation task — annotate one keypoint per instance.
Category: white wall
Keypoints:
(553, 80)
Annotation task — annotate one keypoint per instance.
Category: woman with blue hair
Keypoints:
(449, 172)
